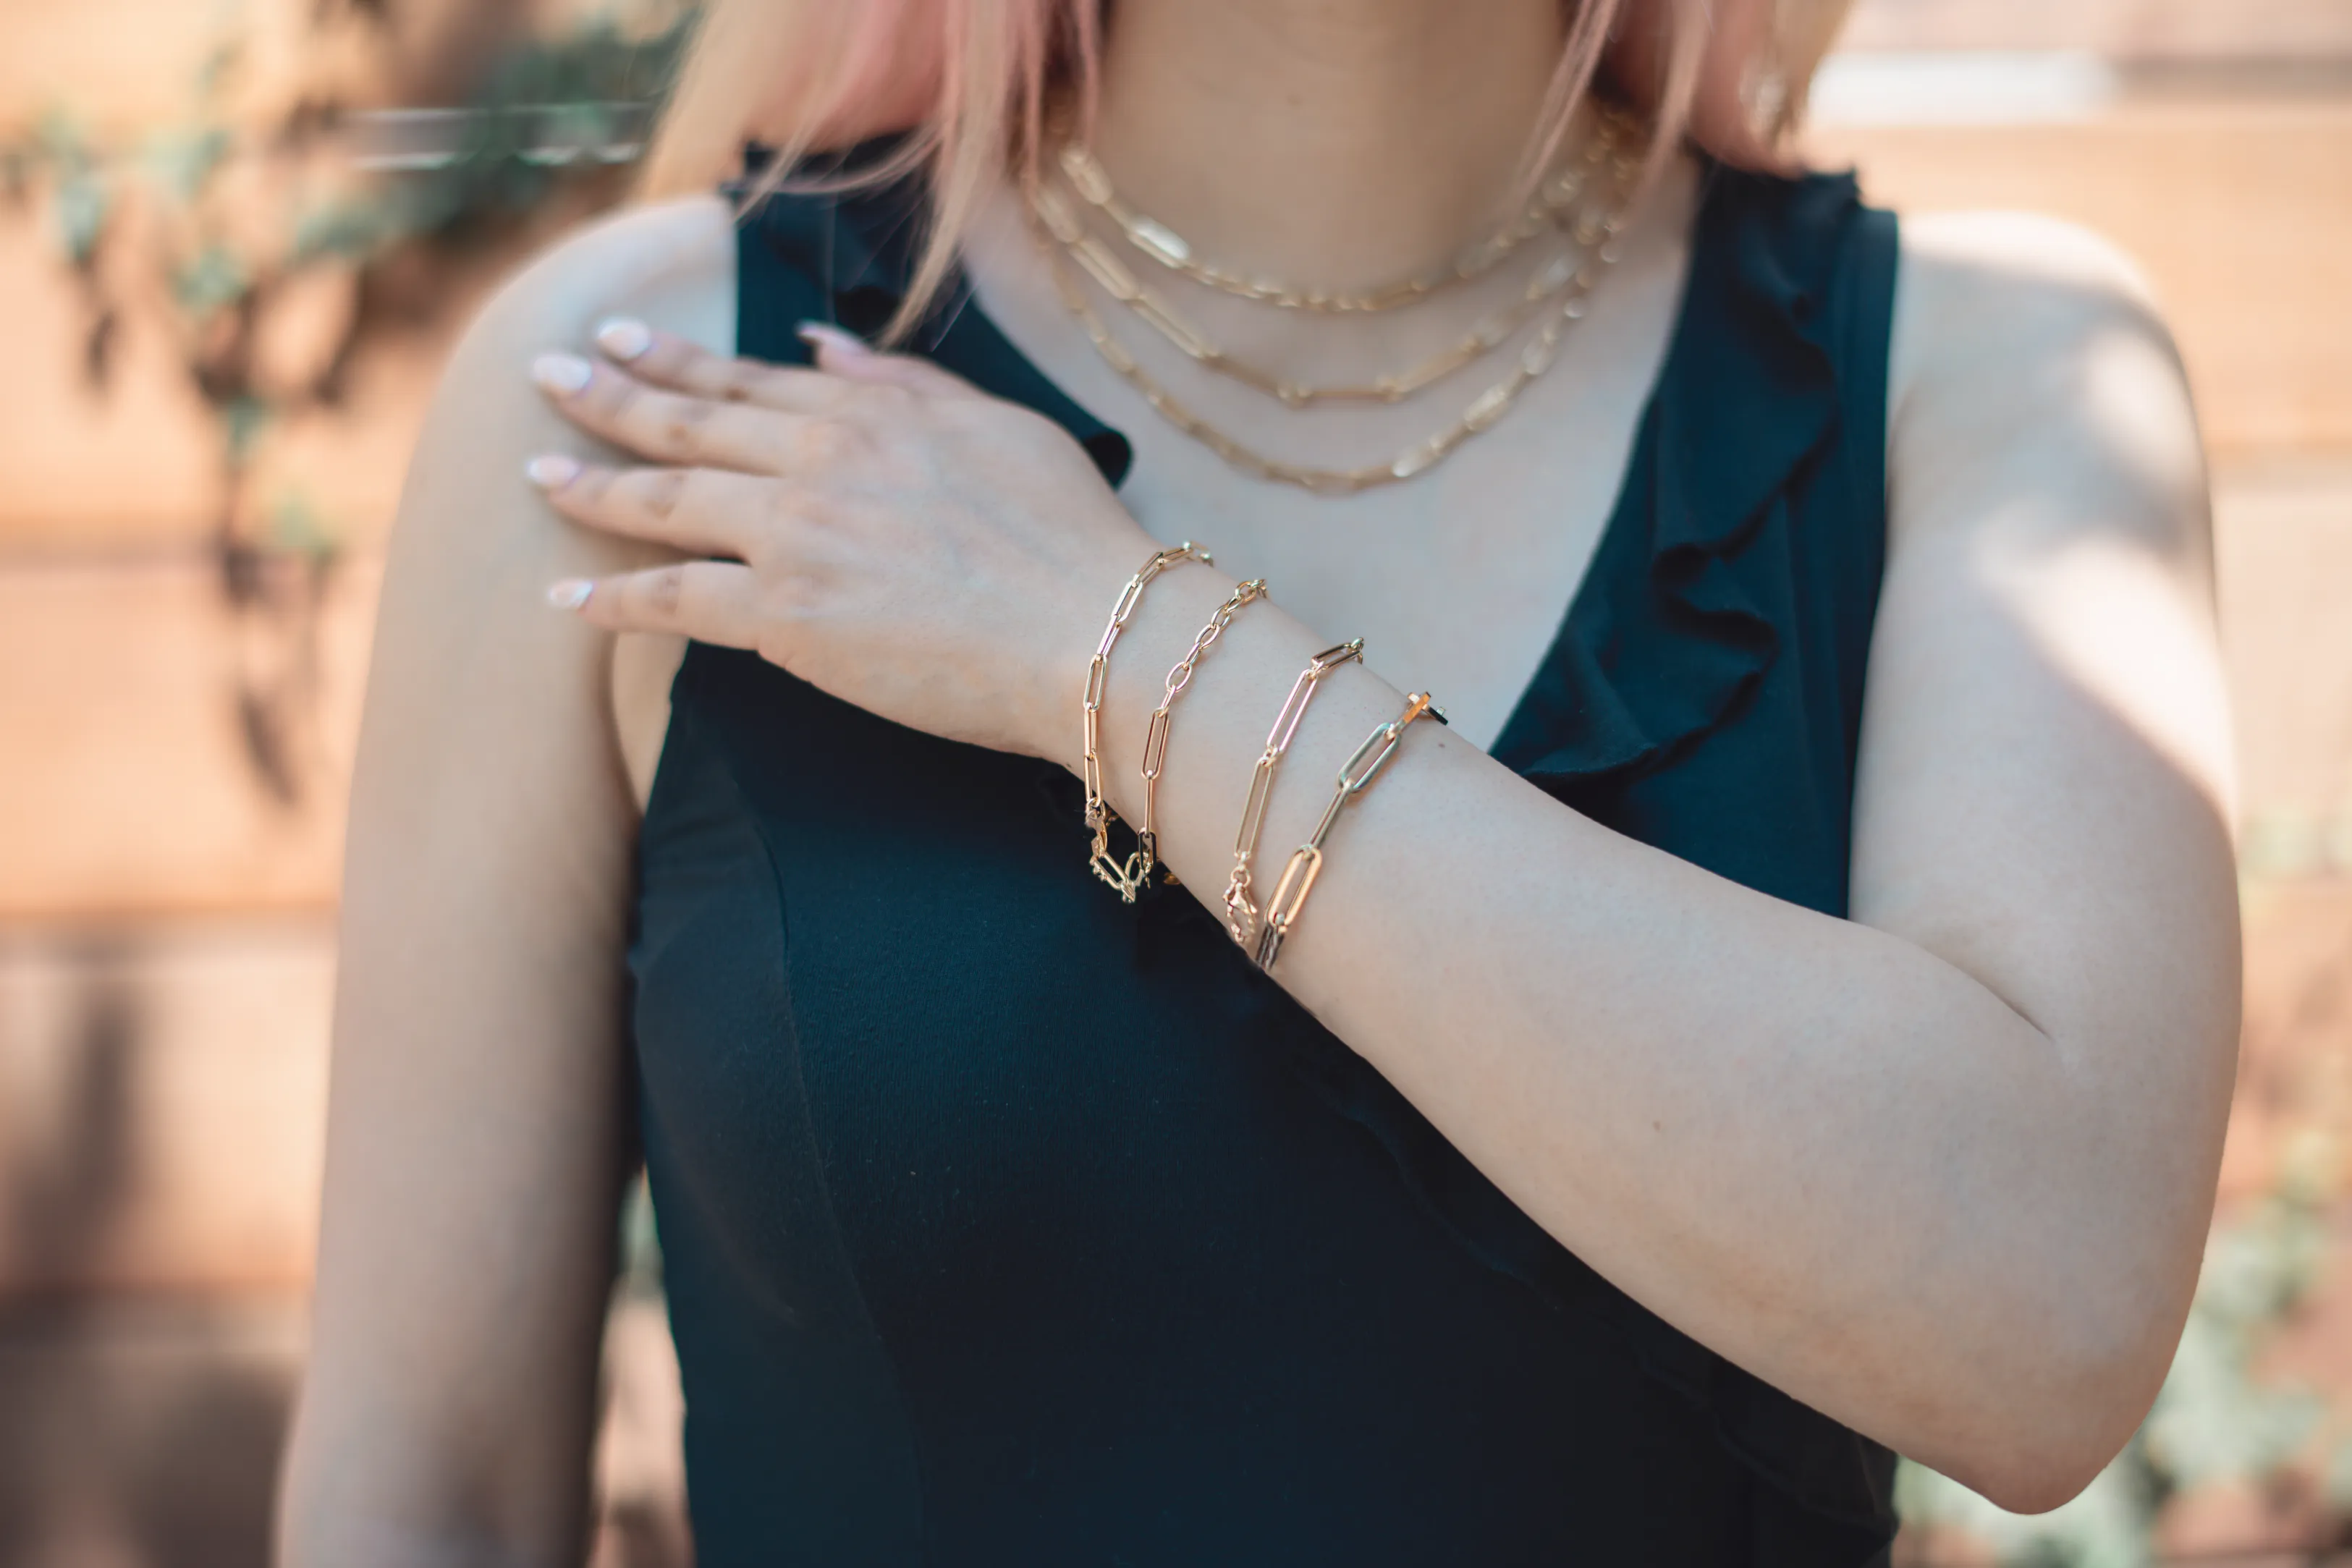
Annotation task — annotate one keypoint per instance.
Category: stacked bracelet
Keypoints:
(1356, 776)
(1259, 933)
(1241, 914)
(1155, 738)
(1127, 876)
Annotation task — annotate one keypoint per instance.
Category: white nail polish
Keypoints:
(624, 338)
(561, 374)
(571, 593)
(552, 471)
(828, 337)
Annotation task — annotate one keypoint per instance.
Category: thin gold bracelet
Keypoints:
(1356, 776)
(1241, 914)
(1155, 738)
(1127, 876)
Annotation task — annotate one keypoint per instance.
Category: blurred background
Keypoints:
(234, 244)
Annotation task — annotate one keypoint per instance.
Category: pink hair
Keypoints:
(971, 80)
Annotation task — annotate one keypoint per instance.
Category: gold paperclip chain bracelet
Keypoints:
(1241, 914)
(1356, 776)
(1127, 876)
(1155, 738)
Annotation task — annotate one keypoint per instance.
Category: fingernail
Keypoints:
(825, 337)
(624, 338)
(561, 374)
(552, 471)
(571, 593)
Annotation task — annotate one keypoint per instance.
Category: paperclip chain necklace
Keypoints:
(1556, 196)
(1534, 358)
(1149, 305)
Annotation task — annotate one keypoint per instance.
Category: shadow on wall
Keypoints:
(142, 1409)
(134, 1430)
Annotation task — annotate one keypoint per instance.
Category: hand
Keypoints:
(881, 528)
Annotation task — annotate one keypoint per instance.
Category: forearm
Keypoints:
(361, 1495)
(1819, 1148)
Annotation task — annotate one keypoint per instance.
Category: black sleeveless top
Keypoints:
(1004, 1223)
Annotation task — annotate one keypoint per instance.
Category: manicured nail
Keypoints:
(571, 593)
(552, 471)
(825, 337)
(624, 338)
(561, 374)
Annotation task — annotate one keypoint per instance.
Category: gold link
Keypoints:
(1161, 243)
(1493, 403)
(1173, 327)
(1059, 220)
(1290, 891)
(1085, 174)
(1155, 745)
(1106, 270)
(1126, 605)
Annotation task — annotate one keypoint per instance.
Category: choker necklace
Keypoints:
(1557, 294)
(1555, 197)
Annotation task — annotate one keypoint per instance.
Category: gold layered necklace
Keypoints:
(1553, 299)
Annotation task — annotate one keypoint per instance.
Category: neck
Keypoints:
(1342, 142)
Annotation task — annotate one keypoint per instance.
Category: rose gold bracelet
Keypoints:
(1356, 776)
(1241, 914)
(1155, 738)
(1125, 876)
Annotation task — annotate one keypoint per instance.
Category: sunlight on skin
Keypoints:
(2108, 614)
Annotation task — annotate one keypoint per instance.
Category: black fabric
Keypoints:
(1006, 1224)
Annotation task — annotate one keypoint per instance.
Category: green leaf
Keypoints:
(213, 280)
(82, 204)
(296, 527)
(183, 163)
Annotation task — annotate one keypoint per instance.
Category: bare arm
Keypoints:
(475, 1136)
(1943, 1171)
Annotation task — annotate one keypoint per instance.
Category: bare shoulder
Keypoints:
(2032, 350)
(1986, 287)
(475, 545)
(672, 256)
(672, 262)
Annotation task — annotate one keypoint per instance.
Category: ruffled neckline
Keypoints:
(1665, 639)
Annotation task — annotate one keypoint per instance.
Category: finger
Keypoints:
(701, 511)
(709, 600)
(664, 360)
(842, 354)
(670, 427)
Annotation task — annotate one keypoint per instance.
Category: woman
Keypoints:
(1785, 1015)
